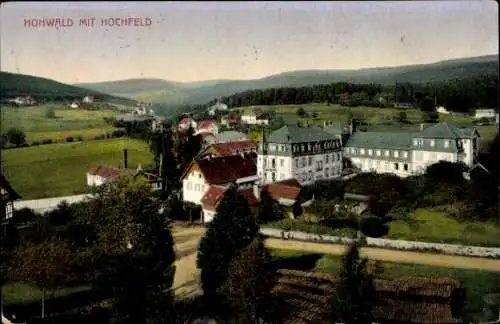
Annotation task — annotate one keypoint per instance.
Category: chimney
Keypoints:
(125, 158)
(256, 191)
(421, 127)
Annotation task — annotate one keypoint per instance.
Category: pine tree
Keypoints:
(232, 229)
(355, 294)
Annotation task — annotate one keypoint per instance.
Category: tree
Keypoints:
(301, 112)
(16, 137)
(249, 282)
(402, 117)
(231, 230)
(50, 113)
(269, 209)
(427, 104)
(161, 144)
(44, 265)
(430, 117)
(355, 294)
(315, 115)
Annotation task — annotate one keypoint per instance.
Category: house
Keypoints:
(249, 118)
(442, 110)
(8, 196)
(304, 153)
(228, 149)
(405, 153)
(21, 101)
(230, 136)
(207, 139)
(208, 126)
(485, 113)
(216, 107)
(100, 174)
(230, 121)
(285, 192)
(88, 99)
(408, 300)
(187, 122)
(201, 174)
(74, 105)
(213, 196)
(262, 119)
(477, 170)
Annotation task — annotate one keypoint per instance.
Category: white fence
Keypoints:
(452, 249)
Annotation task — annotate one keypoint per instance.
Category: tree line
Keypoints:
(458, 95)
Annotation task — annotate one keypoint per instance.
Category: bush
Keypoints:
(35, 143)
(99, 137)
(47, 141)
(373, 226)
(118, 133)
(50, 113)
(69, 139)
(79, 139)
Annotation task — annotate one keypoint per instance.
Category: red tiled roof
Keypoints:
(211, 199)
(233, 148)
(288, 189)
(105, 171)
(206, 124)
(184, 120)
(221, 170)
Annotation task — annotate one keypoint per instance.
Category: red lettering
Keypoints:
(137, 21)
(148, 22)
(84, 22)
(27, 23)
(70, 22)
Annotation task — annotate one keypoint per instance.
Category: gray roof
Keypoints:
(336, 128)
(230, 136)
(442, 130)
(380, 140)
(295, 134)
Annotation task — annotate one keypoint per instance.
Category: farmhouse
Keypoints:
(212, 198)
(201, 174)
(406, 153)
(8, 196)
(100, 174)
(187, 122)
(228, 149)
(230, 136)
(208, 126)
(249, 118)
(304, 153)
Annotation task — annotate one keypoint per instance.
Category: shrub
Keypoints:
(35, 143)
(50, 113)
(69, 139)
(118, 133)
(99, 137)
(79, 139)
(373, 226)
(47, 141)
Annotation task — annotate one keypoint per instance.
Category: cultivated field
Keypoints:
(67, 122)
(60, 169)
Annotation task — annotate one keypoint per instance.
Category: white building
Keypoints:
(304, 153)
(208, 126)
(88, 99)
(218, 106)
(262, 119)
(485, 113)
(410, 153)
(74, 105)
(249, 118)
(442, 110)
(201, 174)
(101, 174)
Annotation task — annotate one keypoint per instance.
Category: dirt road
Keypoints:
(187, 240)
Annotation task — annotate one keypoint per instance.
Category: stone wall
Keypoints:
(452, 249)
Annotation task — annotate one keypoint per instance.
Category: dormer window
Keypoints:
(433, 143)
(446, 144)
(396, 154)
(362, 151)
(387, 153)
(379, 152)
(370, 152)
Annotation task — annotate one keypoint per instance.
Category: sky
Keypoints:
(194, 41)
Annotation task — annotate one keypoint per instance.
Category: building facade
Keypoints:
(249, 118)
(307, 154)
(411, 153)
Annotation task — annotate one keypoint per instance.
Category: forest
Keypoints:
(456, 95)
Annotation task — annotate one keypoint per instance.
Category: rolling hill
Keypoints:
(174, 94)
(42, 89)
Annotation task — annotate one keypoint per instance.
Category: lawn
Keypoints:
(60, 169)
(67, 122)
(23, 293)
(478, 283)
(435, 226)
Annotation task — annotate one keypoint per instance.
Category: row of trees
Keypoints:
(456, 95)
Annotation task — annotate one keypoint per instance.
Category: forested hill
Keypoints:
(456, 95)
(14, 85)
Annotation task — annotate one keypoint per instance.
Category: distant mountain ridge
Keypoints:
(43, 89)
(172, 94)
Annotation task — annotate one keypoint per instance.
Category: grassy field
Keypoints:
(437, 227)
(22, 293)
(67, 122)
(477, 282)
(60, 169)
(378, 118)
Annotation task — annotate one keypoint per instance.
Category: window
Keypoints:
(379, 164)
(362, 151)
(433, 143)
(273, 163)
(303, 162)
(405, 155)
(386, 165)
(333, 157)
(297, 163)
(396, 154)
(415, 142)
(199, 175)
(446, 143)
(396, 166)
(309, 147)
(282, 163)
(405, 167)
(339, 157)
(310, 176)
(273, 176)
(189, 186)
(378, 153)
(370, 152)
(197, 187)
(327, 173)
(386, 153)
(310, 161)
(265, 163)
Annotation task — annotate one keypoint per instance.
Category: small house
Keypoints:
(213, 196)
(74, 105)
(88, 99)
(249, 118)
(485, 113)
(101, 174)
(8, 196)
(208, 126)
